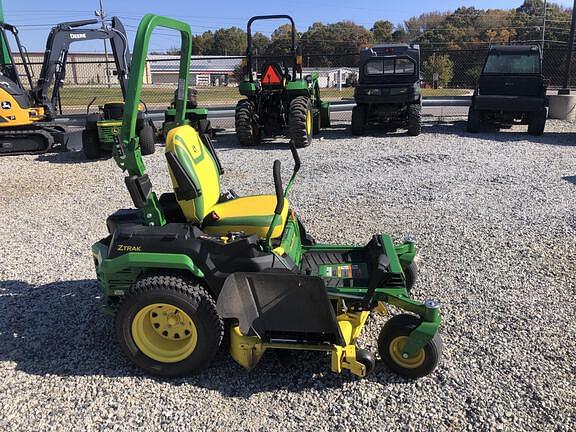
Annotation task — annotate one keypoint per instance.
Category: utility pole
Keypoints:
(544, 27)
(565, 90)
(102, 15)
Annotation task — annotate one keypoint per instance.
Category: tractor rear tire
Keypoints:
(414, 120)
(247, 129)
(91, 144)
(474, 123)
(147, 139)
(301, 121)
(168, 325)
(537, 122)
(359, 120)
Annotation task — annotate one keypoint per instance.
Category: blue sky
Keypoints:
(34, 17)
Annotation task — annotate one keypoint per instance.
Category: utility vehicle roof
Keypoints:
(514, 49)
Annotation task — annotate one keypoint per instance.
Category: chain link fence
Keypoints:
(445, 73)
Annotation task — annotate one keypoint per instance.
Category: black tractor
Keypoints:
(388, 91)
(511, 90)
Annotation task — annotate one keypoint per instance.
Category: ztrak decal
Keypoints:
(127, 248)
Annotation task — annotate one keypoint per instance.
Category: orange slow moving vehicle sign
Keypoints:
(271, 76)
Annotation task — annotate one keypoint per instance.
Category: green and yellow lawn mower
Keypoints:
(279, 101)
(196, 117)
(103, 129)
(182, 271)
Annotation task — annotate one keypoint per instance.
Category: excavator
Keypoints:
(27, 123)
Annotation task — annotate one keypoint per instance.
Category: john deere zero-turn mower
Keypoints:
(178, 270)
(279, 101)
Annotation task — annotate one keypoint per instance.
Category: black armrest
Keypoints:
(278, 187)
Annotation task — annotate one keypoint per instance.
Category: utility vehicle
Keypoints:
(183, 271)
(511, 90)
(388, 89)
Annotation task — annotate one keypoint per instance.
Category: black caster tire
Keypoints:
(392, 340)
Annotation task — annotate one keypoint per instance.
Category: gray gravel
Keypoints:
(495, 220)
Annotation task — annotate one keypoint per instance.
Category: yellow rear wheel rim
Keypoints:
(164, 333)
(396, 349)
(308, 122)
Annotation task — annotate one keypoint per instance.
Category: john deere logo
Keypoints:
(6, 105)
(77, 35)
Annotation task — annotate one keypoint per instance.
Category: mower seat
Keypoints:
(251, 214)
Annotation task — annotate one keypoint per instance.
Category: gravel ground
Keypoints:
(494, 217)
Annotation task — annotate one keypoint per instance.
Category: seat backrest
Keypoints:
(185, 143)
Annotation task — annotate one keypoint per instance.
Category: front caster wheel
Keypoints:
(367, 359)
(410, 275)
(391, 343)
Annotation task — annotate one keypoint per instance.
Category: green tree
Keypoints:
(440, 64)
(203, 44)
(230, 41)
(382, 31)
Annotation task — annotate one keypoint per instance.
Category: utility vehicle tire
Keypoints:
(324, 118)
(91, 144)
(316, 123)
(474, 123)
(247, 129)
(414, 120)
(168, 325)
(537, 122)
(300, 121)
(359, 120)
(147, 139)
(367, 359)
(411, 275)
(392, 340)
(92, 120)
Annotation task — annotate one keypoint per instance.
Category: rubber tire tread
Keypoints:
(91, 144)
(414, 120)
(402, 325)
(474, 123)
(147, 139)
(299, 107)
(537, 122)
(186, 293)
(244, 123)
(359, 120)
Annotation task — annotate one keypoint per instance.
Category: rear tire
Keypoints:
(537, 122)
(359, 120)
(91, 144)
(147, 139)
(301, 121)
(188, 343)
(474, 123)
(414, 120)
(247, 129)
